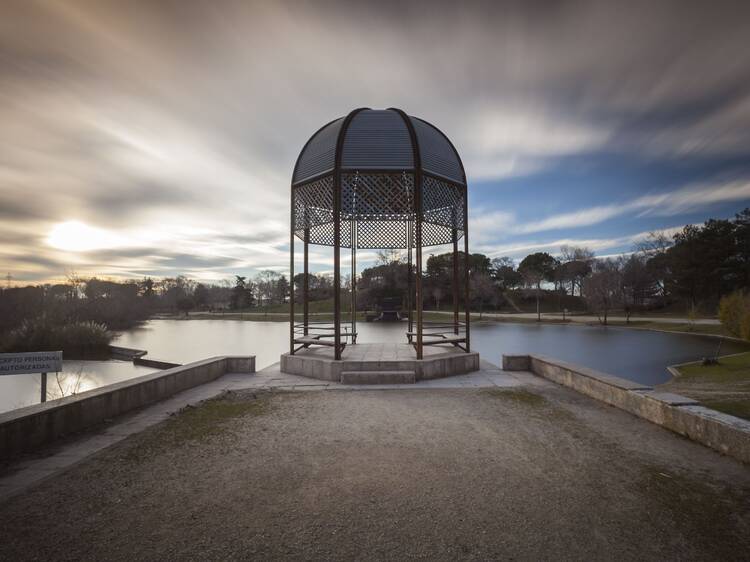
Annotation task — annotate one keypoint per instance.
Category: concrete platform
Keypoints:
(437, 361)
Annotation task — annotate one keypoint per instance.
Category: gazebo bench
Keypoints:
(440, 338)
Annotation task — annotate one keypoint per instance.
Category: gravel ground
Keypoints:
(540, 473)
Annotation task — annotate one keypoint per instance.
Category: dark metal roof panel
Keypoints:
(318, 155)
(438, 155)
(377, 139)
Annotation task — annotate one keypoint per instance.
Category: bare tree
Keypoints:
(389, 256)
(482, 289)
(655, 243)
(602, 290)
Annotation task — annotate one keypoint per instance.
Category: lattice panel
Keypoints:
(313, 204)
(323, 234)
(381, 234)
(434, 234)
(382, 204)
(377, 196)
(442, 203)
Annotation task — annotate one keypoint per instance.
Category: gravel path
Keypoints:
(541, 473)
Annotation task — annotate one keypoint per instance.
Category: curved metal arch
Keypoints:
(304, 148)
(450, 143)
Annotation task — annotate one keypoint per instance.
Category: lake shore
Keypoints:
(700, 327)
(724, 386)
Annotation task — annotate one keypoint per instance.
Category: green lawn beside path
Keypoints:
(724, 387)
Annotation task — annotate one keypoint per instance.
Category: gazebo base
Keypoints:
(439, 361)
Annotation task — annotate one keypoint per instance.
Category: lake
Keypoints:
(638, 355)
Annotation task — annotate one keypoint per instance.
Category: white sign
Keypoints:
(35, 362)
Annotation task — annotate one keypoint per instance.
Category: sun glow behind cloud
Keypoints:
(75, 236)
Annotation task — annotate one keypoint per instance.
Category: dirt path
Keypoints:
(431, 474)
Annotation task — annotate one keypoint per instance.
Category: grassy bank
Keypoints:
(322, 313)
(684, 328)
(724, 387)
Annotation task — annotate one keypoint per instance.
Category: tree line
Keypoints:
(690, 272)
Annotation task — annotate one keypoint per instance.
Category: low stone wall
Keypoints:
(27, 428)
(724, 433)
(431, 367)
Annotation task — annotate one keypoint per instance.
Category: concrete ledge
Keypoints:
(156, 364)
(378, 377)
(432, 367)
(27, 428)
(126, 352)
(724, 433)
(516, 363)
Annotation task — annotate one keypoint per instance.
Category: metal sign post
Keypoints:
(35, 362)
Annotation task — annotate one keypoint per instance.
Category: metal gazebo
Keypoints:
(379, 179)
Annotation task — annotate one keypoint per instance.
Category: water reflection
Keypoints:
(638, 355)
(18, 391)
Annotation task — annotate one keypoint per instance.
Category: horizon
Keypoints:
(146, 141)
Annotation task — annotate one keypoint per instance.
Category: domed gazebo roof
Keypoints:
(379, 140)
(381, 170)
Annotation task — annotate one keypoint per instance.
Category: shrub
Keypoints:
(75, 339)
(734, 313)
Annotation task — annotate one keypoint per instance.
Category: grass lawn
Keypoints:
(714, 329)
(732, 369)
(724, 387)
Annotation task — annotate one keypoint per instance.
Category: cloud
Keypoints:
(488, 225)
(521, 249)
(680, 201)
(583, 217)
(177, 128)
(692, 198)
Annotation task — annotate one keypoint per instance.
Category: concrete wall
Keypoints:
(432, 367)
(724, 433)
(25, 429)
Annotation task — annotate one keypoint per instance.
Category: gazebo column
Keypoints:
(353, 283)
(306, 285)
(454, 285)
(291, 276)
(337, 265)
(418, 251)
(409, 284)
(467, 310)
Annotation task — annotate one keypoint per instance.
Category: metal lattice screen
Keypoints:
(382, 205)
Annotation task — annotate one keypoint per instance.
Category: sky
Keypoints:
(158, 138)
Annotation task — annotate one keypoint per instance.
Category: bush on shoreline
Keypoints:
(77, 340)
(734, 313)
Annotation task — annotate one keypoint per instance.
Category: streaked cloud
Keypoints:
(672, 203)
(597, 245)
(168, 131)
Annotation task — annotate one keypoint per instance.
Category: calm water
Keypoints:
(17, 391)
(634, 354)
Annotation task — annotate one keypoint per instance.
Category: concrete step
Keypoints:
(378, 377)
